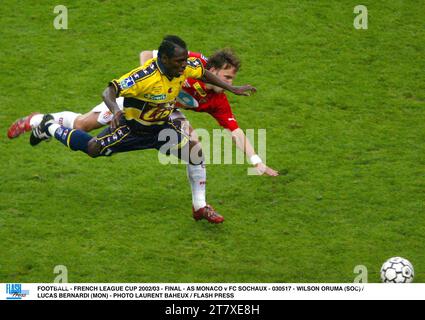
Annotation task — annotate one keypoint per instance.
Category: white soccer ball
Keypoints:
(397, 270)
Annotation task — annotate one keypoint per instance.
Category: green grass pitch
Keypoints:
(344, 111)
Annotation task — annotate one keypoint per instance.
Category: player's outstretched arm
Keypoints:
(211, 78)
(109, 97)
(242, 142)
(145, 56)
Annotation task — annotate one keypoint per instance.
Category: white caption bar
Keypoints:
(211, 291)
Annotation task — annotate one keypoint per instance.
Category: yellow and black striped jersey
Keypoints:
(149, 95)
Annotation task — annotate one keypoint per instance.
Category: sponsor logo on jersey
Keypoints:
(199, 89)
(155, 97)
(186, 100)
(127, 83)
(157, 89)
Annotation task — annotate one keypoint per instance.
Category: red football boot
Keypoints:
(208, 213)
(20, 126)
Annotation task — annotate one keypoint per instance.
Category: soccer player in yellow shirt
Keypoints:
(149, 94)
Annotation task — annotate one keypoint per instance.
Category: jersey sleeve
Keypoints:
(224, 115)
(131, 84)
(200, 56)
(195, 68)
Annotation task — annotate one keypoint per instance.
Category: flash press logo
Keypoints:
(15, 292)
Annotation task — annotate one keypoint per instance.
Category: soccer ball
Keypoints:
(397, 270)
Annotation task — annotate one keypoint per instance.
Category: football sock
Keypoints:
(197, 175)
(52, 129)
(72, 138)
(36, 120)
(65, 118)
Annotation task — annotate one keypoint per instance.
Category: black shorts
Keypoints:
(166, 137)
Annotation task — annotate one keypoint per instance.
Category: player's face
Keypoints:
(227, 74)
(175, 66)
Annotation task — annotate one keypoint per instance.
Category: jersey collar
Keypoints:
(162, 68)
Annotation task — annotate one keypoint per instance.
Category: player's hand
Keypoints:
(116, 120)
(262, 169)
(246, 90)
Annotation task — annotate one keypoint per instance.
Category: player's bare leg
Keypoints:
(87, 122)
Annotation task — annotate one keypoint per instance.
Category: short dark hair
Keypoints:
(168, 45)
(177, 40)
(224, 58)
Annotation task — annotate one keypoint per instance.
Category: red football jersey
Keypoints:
(216, 104)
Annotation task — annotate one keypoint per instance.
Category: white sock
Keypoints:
(197, 175)
(52, 128)
(36, 120)
(65, 118)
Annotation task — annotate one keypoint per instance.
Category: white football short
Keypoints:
(105, 115)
